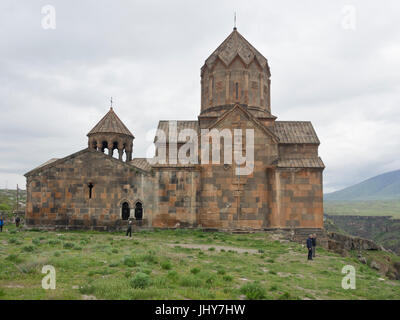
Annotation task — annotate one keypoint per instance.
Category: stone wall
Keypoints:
(229, 201)
(177, 197)
(58, 196)
(299, 198)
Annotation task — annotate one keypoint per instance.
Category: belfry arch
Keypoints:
(110, 133)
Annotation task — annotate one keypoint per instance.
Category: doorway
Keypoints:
(138, 211)
(126, 211)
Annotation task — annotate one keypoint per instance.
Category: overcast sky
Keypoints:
(341, 73)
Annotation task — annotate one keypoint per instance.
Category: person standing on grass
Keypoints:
(309, 247)
(17, 221)
(129, 230)
(314, 244)
(1, 224)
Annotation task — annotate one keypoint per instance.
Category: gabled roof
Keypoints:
(46, 163)
(163, 125)
(110, 123)
(235, 44)
(141, 163)
(295, 132)
(301, 163)
(55, 162)
(250, 117)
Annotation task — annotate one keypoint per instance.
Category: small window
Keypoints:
(237, 90)
(90, 185)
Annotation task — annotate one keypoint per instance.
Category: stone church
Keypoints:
(104, 186)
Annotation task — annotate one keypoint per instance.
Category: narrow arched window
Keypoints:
(90, 185)
(237, 90)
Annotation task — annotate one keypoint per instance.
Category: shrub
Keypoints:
(190, 281)
(28, 248)
(221, 271)
(14, 241)
(127, 274)
(166, 265)
(14, 258)
(272, 272)
(253, 291)
(271, 260)
(33, 265)
(273, 288)
(195, 270)
(36, 241)
(140, 280)
(260, 251)
(284, 296)
(57, 254)
(227, 278)
(145, 270)
(86, 289)
(114, 250)
(211, 249)
(68, 245)
(150, 258)
(172, 274)
(129, 261)
(210, 280)
(114, 264)
(53, 242)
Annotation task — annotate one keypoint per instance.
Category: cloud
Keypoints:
(55, 85)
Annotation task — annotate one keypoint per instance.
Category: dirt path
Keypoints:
(206, 247)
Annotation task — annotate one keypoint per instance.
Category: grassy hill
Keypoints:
(378, 196)
(180, 264)
(382, 187)
(364, 208)
(8, 200)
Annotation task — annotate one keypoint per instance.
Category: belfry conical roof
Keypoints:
(235, 44)
(110, 123)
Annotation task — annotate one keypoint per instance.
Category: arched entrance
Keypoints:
(126, 211)
(138, 211)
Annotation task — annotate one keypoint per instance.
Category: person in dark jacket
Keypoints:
(129, 230)
(314, 244)
(1, 224)
(17, 221)
(309, 247)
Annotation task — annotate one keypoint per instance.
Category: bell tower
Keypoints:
(111, 133)
(235, 73)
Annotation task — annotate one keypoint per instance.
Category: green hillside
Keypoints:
(382, 187)
(8, 200)
(180, 264)
(363, 208)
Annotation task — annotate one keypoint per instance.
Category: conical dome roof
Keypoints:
(110, 123)
(235, 44)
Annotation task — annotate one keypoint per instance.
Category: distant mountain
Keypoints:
(385, 186)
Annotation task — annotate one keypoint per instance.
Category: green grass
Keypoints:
(8, 201)
(363, 208)
(156, 265)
